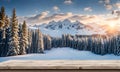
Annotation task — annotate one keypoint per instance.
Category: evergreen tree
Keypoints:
(31, 50)
(24, 39)
(20, 31)
(2, 30)
(29, 40)
(40, 42)
(14, 44)
(7, 36)
(47, 42)
(117, 44)
(64, 40)
(2, 18)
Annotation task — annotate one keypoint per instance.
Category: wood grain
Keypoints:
(60, 66)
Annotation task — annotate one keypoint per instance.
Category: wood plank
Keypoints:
(60, 64)
(59, 70)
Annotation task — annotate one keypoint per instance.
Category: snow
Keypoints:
(62, 54)
(56, 29)
(59, 32)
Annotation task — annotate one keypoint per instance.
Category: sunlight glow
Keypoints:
(112, 25)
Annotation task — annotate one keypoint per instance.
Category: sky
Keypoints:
(45, 9)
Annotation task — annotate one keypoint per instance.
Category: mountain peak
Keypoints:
(66, 21)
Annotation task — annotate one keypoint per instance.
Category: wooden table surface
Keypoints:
(60, 66)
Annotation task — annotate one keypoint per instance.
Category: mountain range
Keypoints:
(54, 28)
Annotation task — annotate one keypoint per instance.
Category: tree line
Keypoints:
(13, 36)
(18, 39)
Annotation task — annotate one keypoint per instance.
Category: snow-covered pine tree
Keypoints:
(29, 40)
(20, 31)
(78, 45)
(75, 43)
(97, 45)
(58, 42)
(82, 43)
(72, 42)
(53, 42)
(45, 41)
(107, 44)
(117, 51)
(14, 44)
(31, 50)
(20, 35)
(48, 42)
(103, 47)
(2, 18)
(115, 45)
(7, 35)
(92, 44)
(7, 22)
(35, 42)
(110, 45)
(24, 39)
(69, 39)
(40, 42)
(64, 40)
(101, 44)
(2, 30)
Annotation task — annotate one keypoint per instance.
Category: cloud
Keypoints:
(89, 9)
(58, 17)
(108, 6)
(117, 5)
(33, 19)
(114, 21)
(44, 18)
(56, 8)
(68, 2)
(39, 16)
(107, 1)
(104, 1)
(85, 19)
(88, 19)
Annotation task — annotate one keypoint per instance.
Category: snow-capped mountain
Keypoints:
(67, 27)
(66, 24)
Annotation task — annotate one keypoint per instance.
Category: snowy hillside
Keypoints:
(62, 54)
(67, 27)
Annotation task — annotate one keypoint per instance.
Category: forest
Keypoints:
(19, 39)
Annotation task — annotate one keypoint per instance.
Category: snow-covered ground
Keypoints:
(62, 54)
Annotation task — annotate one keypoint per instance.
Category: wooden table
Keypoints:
(60, 66)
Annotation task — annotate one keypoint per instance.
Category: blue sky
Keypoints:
(44, 11)
(30, 7)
